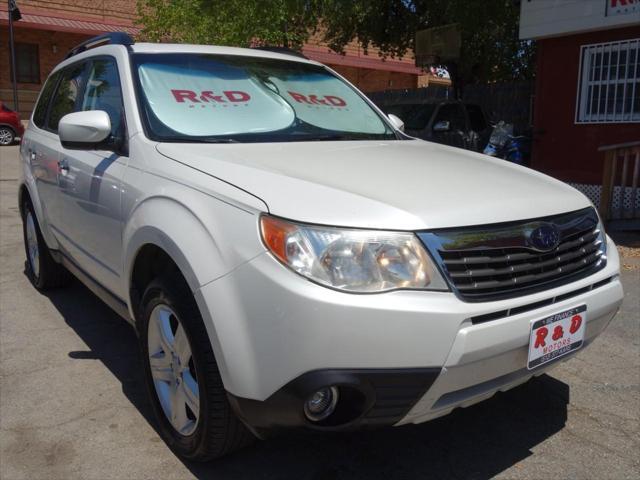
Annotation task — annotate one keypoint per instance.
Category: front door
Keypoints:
(90, 184)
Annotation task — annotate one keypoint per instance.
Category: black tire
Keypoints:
(7, 136)
(218, 430)
(48, 273)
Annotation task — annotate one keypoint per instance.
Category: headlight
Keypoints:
(364, 261)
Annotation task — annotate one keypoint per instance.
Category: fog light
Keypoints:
(321, 404)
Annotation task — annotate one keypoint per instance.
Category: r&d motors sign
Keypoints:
(622, 7)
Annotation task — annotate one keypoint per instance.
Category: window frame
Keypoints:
(88, 64)
(581, 117)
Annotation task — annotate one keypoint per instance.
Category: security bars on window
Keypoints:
(609, 83)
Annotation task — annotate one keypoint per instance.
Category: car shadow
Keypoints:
(477, 442)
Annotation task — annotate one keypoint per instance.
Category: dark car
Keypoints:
(10, 125)
(450, 122)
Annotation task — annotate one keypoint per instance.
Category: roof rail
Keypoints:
(283, 50)
(113, 38)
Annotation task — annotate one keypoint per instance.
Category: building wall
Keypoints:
(369, 80)
(354, 49)
(562, 148)
(105, 10)
(547, 18)
(52, 48)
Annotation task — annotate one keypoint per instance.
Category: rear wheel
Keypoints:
(7, 136)
(43, 271)
(189, 400)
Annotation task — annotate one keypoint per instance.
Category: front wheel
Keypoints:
(189, 400)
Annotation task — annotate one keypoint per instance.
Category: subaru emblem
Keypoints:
(545, 238)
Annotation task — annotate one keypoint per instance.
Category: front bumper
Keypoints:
(367, 398)
(272, 329)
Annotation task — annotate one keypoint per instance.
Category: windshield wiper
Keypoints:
(218, 140)
(330, 137)
(203, 140)
(321, 138)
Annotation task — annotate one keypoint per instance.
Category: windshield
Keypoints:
(226, 98)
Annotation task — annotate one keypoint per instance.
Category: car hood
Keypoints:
(400, 185)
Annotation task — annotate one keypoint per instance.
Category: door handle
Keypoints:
(32, 156)
(63, 166)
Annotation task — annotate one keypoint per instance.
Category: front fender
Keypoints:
(206, 238)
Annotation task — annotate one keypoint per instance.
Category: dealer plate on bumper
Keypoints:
(556, 336)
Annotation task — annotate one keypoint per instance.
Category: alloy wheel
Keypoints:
(172, 369)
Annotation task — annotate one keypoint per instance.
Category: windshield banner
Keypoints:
(194, 102)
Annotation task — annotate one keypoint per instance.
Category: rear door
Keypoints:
(38, 150)
(91, 188)
(43, 147)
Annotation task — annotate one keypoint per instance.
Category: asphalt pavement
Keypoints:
(73, 405)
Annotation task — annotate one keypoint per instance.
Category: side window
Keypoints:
(454, 114)
(476, 118)
(103, 92)
(65, 99)
(40, 112)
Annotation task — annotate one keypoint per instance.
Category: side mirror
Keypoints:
(396, 122)
(442, 126)
(84, 130)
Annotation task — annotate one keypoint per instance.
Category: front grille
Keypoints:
(487, 317)
(497, 261)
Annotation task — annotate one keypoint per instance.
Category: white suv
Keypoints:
(288, 257)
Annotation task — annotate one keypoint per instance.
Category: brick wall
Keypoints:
(47, 42)
(96, 9)
(353, 49)
(369, 80)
